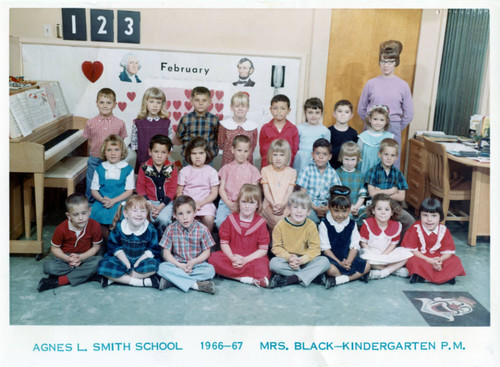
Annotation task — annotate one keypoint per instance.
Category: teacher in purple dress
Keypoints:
(388, 89)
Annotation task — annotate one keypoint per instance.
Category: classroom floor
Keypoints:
(352, 304)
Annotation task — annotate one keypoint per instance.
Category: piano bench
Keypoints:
(66, 174)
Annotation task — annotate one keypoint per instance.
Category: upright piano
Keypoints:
(36, 153)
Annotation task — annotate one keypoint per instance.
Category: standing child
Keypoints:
(186, 247)
(339, 240)
(278, 182)
(157, 181)
(296, 246)
(113, 182)
(151, 120)
(232, 177)
(199, 180)
(369, 140)
(237, 125)
(244, 241)
(199, 122)
(310, 131)
(317, 178)
(98, 128)
(133, 253)
(341, 132)
(433, 248)
(278, 128)
(380, 236)
(75, 244)
(351, 176)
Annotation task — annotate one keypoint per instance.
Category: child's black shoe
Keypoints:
(365, 277)
(452, 281)
(164, 284)
(155, 281)
(330, 282)
(206, 286)
(277, 280)
(47, 283)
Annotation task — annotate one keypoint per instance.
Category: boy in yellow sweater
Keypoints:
(296, 246)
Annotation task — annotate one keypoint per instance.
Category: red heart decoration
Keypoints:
(92, 70)
(219, 94)
(168, 104)
(187, 93)
(211, 93)
(220, 116)
(177, 116)
(176, 104)
(188, 105)
(131, 96)
(210, 107)
(122, 105)
(174, 128)
(219, 106)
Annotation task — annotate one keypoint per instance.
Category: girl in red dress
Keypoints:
(244, 241)
(433, 248)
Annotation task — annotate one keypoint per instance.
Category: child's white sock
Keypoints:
(136, 282)
(246, 280)
(341, 279)
(147, 282)
(384, 273)
(374, 274)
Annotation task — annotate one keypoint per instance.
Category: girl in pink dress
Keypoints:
(244, 242)
(433, 248)
(379, 237)
(199, 181)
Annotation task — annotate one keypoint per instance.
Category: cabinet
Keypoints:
(417, 174)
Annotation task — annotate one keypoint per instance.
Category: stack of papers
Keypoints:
(461, 150)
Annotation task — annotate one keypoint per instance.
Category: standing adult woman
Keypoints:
(390, 90)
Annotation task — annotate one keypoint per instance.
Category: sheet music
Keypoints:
(39, 106)
(20, 109)
(14, 131)
(56, 100)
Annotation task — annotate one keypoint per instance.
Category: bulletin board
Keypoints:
(83, 71)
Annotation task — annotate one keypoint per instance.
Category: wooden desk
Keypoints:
(479, 222)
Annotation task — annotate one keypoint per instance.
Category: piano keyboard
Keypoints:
(74, 140)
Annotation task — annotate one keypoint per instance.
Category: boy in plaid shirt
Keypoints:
(186, 247)
(199, 122)
(385, 178)
(317, 178)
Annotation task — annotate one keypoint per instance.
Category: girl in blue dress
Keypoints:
(369, 140)
(113, 182)
(133, 252)
(310, 131)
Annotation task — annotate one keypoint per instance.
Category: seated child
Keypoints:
(75, 244)
(380, 236)
(133, 253)
(317, 178)
(296, 245)
(232, 177)
(339, 241)
(152, 120)
(113, 182)
(341, 132)
(237, 125)
(278, 182)
(432, 246)
(310, 131)
(200, 181)
(278, 128)
(244, 241)
(186, 247)
(385, 178)
(157, 181)
(351, 176)
(98, 128)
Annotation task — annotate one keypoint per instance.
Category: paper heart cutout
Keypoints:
(122, 105)
(219, 106)
(220, 116)
(175, 127)
(92, 70)
(219, 94)
(211, 93)
(176, 104)
(188, 105)
(177, 116)
(168, 104)
(187, 93)
(210, 108)
(131, 96)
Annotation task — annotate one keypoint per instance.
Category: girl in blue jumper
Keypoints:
(133, 252)
(339, 241)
